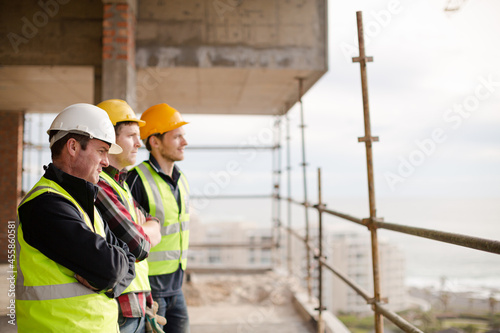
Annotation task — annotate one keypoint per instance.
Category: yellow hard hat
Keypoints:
(160, 118)
(118, 110)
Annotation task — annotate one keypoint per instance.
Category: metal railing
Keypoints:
(476, 243)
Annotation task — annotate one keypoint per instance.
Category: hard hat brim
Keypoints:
(144, 135)
(115, 149)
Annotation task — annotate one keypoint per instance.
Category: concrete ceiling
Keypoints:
(44, 88)
(190, 90)
(222, 90)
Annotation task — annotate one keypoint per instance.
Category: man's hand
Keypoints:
(85, 282)
(141, 219)
(153, 230)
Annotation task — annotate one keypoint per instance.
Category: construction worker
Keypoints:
(162, 189)
(118, 209)
(70, 267)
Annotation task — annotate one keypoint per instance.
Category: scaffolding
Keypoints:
(372, 223)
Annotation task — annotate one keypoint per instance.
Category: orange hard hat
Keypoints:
(118, 110)
(160, 118)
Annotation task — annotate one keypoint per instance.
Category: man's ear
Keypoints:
(72, 146)
(154, 141)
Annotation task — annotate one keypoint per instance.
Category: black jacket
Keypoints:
(55, 227)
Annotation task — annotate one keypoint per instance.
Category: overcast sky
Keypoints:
(434, 90)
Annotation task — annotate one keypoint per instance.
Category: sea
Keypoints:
(443, 265)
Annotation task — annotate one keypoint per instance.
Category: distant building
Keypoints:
(232, 245)
(348, 251)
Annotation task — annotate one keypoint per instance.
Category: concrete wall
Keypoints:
(51, 32)
(232, 33)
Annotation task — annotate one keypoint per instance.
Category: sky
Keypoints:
(434, 93)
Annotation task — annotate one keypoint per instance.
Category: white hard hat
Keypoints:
(86, 119)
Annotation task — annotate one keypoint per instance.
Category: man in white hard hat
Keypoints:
(161, 188)
(70, 267)
(129, 223)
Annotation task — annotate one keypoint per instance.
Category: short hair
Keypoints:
(158, 135)
(119, 125)
(57, 147)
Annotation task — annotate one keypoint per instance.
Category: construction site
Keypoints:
(276, 261)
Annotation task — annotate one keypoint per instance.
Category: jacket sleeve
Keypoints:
(55, 227)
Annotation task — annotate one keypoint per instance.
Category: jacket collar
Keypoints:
(82, 191)
(116, 174)
(156, 166)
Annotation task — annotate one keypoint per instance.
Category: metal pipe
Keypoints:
(304, 174)
(475, 243)
(308, 245)
(396, 319)
(390, 315)
(229, 147)
(28, 118)
(232, 196)
(276, 209)
(268, 245)
(321, 328)
(446, 237)
(362, 59)
(289, 190)
(273, 201)
(278, 190)
(359, 290)
(344, 216)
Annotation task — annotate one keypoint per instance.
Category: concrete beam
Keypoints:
(229, 57)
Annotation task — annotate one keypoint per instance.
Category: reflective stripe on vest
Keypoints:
(48, 296)
(165, 257)
(141, 281)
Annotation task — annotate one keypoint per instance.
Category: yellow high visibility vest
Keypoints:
(165, 257)
(48, 296)
(141, 281)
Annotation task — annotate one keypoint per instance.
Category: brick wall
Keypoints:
(118, 51)
(118, 32)
(11, 141)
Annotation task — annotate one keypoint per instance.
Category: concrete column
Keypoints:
(118, 50)
(11, 150)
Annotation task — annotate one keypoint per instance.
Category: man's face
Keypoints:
(129, 139)
(172, 144)
(88, 163)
